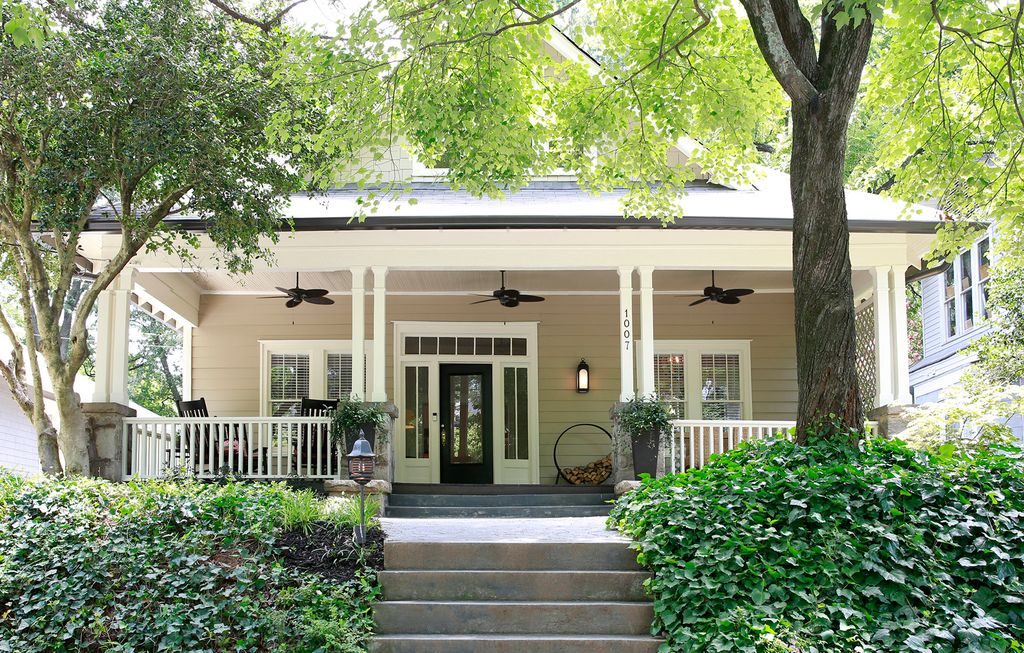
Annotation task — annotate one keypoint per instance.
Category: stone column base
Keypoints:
(105, 426)
(892, 420)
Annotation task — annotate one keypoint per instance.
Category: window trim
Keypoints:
(317, 350)
(692, 351)
(976, 290)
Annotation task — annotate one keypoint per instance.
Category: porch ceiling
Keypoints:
(484, 281)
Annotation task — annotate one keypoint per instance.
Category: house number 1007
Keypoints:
(626, 335)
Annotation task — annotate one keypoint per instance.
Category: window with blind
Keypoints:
(293, 370)
(289, 383)
(704, 379)
(720, 386)
(965, 289)
(670, 381)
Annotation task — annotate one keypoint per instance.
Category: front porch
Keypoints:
(403, 331)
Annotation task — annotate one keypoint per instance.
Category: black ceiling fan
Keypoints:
(715, 294)
(298, 295)
(509, 297)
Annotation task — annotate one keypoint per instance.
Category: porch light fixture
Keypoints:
(360, 470)
(582, 377)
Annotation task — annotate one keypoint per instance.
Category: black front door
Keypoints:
(466, 424)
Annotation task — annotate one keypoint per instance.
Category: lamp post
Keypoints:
(360, 470)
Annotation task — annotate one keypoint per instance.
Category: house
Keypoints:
(954, 313)
(424, 317)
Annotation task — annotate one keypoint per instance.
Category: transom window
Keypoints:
(704, 379)
(965, 289)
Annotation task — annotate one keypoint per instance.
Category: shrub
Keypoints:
(833, 547)
(88, 565)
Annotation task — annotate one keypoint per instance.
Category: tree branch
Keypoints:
(778, 56)
(265, 25)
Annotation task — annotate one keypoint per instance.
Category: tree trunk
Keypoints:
(46, 443)
(73, 435)
(825, 342)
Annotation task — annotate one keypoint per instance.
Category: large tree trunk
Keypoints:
(825, 342)
(49, 454)
(73, 436)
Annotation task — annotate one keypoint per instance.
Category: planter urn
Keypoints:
(645, 452)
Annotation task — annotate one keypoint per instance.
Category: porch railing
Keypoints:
(693, 442)
(245, 447)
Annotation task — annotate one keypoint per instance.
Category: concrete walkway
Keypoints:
(566, 529)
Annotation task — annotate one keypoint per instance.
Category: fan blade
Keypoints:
(293, 302)
(287, 291)
(728, 299)
(314, 292)
(530, 298)
(484, 301)
(319, 301)
(476, 294)
(274, 297)
(700, 301)
(739, 292)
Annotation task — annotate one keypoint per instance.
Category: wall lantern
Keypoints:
(582, 377)
(360, 470)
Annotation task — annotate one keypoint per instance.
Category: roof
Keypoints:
(563, 204)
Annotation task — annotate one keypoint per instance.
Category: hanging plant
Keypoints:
(353, 417)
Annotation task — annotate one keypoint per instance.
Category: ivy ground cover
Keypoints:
(88, 565)
(835, 547)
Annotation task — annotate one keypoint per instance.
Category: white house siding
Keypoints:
(17, 437)
(225, 354)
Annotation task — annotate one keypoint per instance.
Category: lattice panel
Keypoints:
(864, 324)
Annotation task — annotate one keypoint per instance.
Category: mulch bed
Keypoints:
(330, 550)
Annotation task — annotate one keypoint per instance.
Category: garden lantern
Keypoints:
(360, 470)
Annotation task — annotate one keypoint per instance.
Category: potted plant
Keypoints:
(645, 419)
(353, 417)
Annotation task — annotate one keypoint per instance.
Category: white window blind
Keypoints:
(670, 382)
(339, 375)
(289, 383)
(720, 390)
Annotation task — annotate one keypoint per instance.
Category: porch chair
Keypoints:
(323, 455)
(201, 441)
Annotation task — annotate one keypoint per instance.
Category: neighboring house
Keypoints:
(482, 390)
(954, 313)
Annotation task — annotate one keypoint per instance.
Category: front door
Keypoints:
(466, 424)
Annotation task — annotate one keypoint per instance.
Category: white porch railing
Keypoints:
(693, 442)
(245, 447)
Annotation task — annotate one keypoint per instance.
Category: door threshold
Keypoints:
(490, 488)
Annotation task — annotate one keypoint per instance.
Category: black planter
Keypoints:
(645, 452)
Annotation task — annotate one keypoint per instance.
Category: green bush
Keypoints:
(87, 565)
(835, 547)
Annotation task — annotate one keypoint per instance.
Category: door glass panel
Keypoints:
(416, 410)
(517, 414)
(465, 419)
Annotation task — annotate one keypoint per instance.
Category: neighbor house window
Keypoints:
(704, 379)
(292, 370)
(965, 289)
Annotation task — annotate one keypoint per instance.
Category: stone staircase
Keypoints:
(512, 597)
(523, 502)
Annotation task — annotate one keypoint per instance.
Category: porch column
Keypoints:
(114, 309)
(901, 344)
(380, 326)
(358, 331)
(883, 337)
(647, 331)
(626, 327)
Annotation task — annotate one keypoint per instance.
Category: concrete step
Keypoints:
(513, 617)
(500, 500)
(518, 512)
(509, 556)
(581, 643)
(502, 489)
(461, 585)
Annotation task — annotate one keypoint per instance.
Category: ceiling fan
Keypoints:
(715, 294)
(509, 297)
(298, 295)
